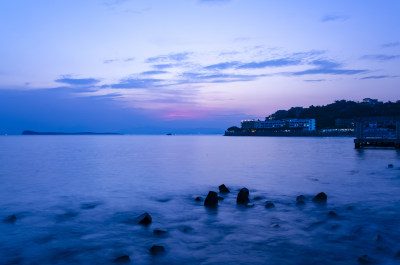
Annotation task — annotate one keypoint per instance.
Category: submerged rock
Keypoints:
(332, 214)
(198, 199)
(89, 205)
(257, 198)
(320, 197)
(243, 196)
(390, 166)
(144, 219)
(269, 204)
(301, 198)
(122, 259)
(220, 198)
(11, 219)
(397, 256)
(300, 203)
(159, 232)
(156, 250)
(364, 259)
(211, 199)
(223, 189)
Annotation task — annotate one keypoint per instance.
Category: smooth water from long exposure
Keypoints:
(75, 199)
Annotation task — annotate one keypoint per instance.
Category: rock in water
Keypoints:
(301, 198)
(269, 204)
(10, 219)
(243, 196)
(156, 250)
(320, 197)
(159, 232)
(223, 189)
(390, 166)
(220, 198)
(144, 219)
(332, 214)
(212, 199)
(198, 199)
(123, 259)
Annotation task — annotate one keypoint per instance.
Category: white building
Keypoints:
(305, 124)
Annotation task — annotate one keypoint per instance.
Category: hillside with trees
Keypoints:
(326, 115)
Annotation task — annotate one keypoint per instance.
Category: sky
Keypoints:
(188, 66)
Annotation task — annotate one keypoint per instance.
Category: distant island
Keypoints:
(64, 133)
(335, 119)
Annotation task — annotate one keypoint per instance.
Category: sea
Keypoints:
(76, 200)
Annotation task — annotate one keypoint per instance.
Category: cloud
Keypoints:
(109, 61)
(328, 67)
(163, 66)
(135, 83)
(329, 18)
(78, 81)
(377, 77)
(270, 63)
(380, 57)
(314, 80)
(222, 66)
(177, 57)
(129, 59)
(390, 44)
(153, 72)
(216, 78)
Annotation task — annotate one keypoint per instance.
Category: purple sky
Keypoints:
(188, 66)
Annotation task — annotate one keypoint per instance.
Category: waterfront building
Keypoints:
(287, 124)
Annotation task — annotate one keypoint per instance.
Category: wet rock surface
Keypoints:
(122, 259)
(269, 204)
(320, 197)
(223, 189)
(157, 250)
(211, 199)
(144, 219)
(243, 196)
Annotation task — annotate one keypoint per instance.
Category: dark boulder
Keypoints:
(122, 259)
(320, 197)
(159, 232)
(11, 219)
(243, 196)
(390, 166)
(300, 203)
(198, 199)
(223, 189)
(156, 250)
(332, 214)
(211, 199)
(269, 204)
(365, 259)
(144, 219)
(220, 198)
(301, 198)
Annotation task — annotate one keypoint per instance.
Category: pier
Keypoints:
(378, 132)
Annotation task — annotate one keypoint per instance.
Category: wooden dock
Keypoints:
(385, 134)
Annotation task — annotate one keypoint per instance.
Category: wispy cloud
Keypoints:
(214, 1)
(177, 57)
(380, 57)
(378, 77)
(334, 17)
(109, 61)
(328, 67)
(222, 66)
(135, 83)
(163, 66)
(154, 72)
(77, 81)
(390, 44)
(314, 80)
(189, 77)
(270, 63)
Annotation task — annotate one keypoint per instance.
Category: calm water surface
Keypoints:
(75, 198)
